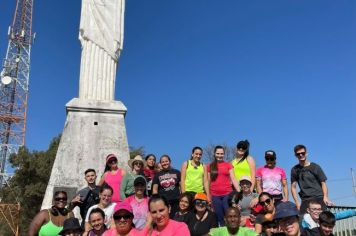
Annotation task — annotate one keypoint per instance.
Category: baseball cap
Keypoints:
(270, 153)
(123, 206)
(140, 180)
(285, 209)
(246, 178)
(201, 196)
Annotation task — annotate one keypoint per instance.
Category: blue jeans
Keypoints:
(220, 204)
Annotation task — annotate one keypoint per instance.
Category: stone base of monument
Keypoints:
(93, 130)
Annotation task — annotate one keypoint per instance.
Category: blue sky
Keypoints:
(277, 73)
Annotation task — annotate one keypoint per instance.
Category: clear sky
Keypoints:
(277, 73)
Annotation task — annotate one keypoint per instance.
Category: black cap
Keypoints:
(140, 180)
(270, 153)
(70, 224)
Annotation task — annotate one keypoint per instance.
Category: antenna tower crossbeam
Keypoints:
(14, 84)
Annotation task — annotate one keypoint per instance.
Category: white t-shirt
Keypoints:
(109, 212)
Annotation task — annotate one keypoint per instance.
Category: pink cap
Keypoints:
(123, 206)
(110, 156)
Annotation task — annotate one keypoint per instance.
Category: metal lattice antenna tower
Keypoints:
(14, 84)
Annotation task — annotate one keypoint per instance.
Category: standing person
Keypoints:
(244, 164)
(87, 196)
(105, 204)
(221, 177)
(166, 183)
(161, 222)
(96, 221)
(287, 219)
(311, 181)
(232, 228)
(184, 207)
(201, 220)
(272, 179)
(50, 221)
(194, 176)
(139, 203)
(149, 171)
(113, 176)
(244, 200)
(137, 164)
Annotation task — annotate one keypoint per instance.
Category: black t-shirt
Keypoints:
(168, 184)
(180, 218)
(309, 179)
(197, 227)
(312, 232)
(88, 197)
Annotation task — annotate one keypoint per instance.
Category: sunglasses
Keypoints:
(125, 217)
(201, 202)
(266, 202)
(137, 163)
(300, 154)
(270, 158)
(57, 199)
(112, 161)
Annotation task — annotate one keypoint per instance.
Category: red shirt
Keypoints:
(149, 173)
(222, 184)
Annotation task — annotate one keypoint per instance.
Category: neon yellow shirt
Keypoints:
(194, 178)
(241, 168)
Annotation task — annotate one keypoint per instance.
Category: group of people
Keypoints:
(220, 198)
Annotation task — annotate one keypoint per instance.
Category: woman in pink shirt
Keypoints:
(123, 218)
(113, 176)
(221, 177)
(161, 224)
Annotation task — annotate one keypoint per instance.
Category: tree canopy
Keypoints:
(29, 182)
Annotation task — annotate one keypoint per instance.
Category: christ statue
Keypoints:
(101, 35)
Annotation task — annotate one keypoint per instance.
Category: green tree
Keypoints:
(28, 184)
(134, 151)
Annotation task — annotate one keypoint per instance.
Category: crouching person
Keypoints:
(286, 216)
(232, 225)
(326, 225)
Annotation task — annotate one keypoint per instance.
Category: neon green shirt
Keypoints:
(194, 178)
(50, 229)
(241, 169)
(222, 231)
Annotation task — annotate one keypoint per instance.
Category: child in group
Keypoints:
(184, 207)
(311, 219)
(327, 222)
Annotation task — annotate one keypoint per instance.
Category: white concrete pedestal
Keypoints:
(93, 130)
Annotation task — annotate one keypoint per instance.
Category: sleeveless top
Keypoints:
(50, 229)
(194, 178)
(114, 181)
(241, 168)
